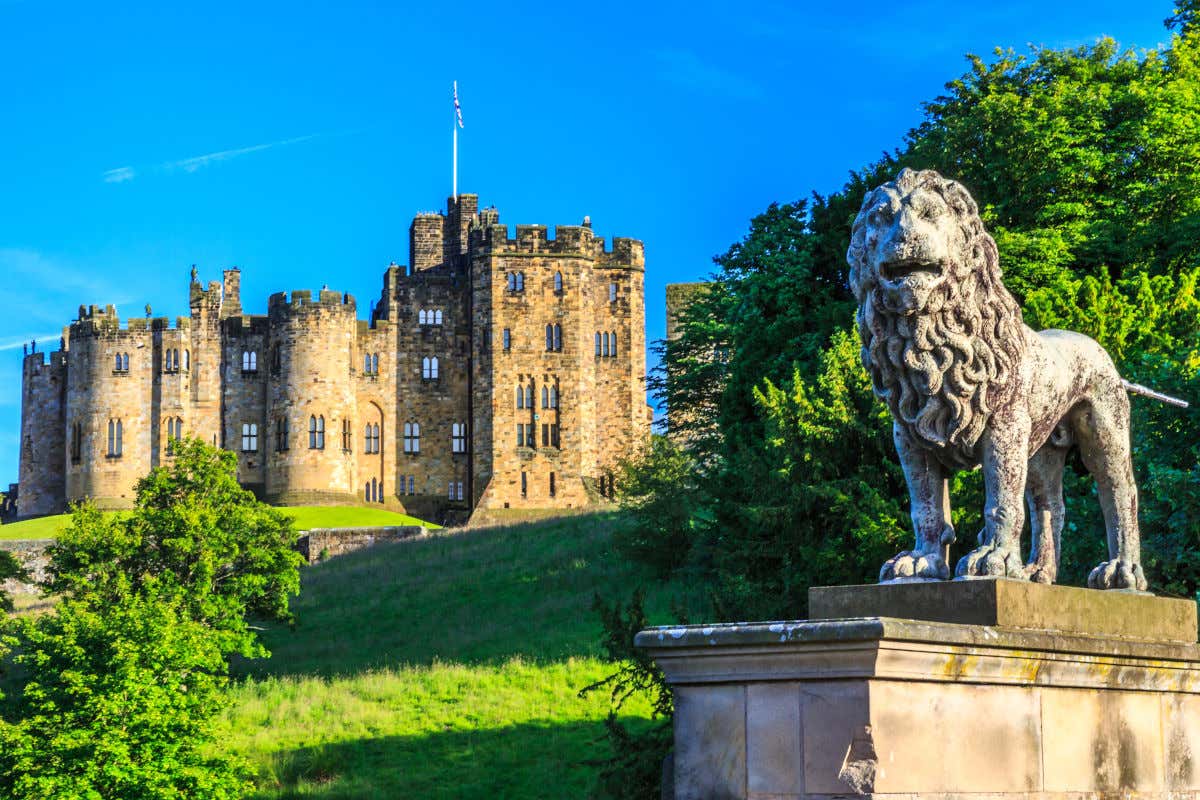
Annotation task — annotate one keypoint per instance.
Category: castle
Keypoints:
(494, 372)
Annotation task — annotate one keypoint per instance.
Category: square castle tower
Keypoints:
(495, 372)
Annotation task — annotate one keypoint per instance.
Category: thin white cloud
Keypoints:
(687, 69)
(41, 337)
(119, 175)
(199, 162)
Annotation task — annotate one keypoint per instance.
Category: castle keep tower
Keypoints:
(500, 371)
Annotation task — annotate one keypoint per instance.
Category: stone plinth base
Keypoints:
(894, 707)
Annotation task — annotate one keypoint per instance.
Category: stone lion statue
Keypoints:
(970, 385)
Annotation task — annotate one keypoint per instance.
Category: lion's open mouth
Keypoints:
(898, 270)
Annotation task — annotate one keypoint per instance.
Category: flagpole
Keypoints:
(454, 124)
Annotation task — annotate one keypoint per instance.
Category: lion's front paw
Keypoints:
(1040, 573)
(1118, 574)
(990, 561)
(911, 564)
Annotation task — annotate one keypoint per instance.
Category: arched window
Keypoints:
(511, 281)
(187, 359)
(433, 363)
(421, 317)
(597, 344)
(520, 397)
(529, 396)
(545, 397)
(411, 483)
(176, 360)
(367, 363)
(554, 397)
(520, 281)
(429, 368)
(249, 361)
(117, 366)
(321, 433)
(125, 362)
(281, 434)
(375, 364)
(115, 436)
(375, 436)
(76, 443)
(549, 337)
(316, 433)
(437, 317)
(613, 350)
(558, 338)
(367, 492)
(558, 286)
(605, 335)
(612, 293)
(507, 339)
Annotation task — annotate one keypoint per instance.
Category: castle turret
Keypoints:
(425, 241)
(43, 400)
(310, 398)
(110, 409)
(231, 293)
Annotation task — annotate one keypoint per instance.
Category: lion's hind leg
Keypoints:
(1101, 428)
(1043, 493)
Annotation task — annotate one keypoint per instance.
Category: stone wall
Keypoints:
(31, 553)
(320, 544)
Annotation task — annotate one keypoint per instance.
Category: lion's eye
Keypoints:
(930, 211)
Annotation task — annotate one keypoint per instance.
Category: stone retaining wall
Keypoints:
(32, 555)
(319, 544)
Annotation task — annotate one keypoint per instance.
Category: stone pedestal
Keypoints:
(878, 705)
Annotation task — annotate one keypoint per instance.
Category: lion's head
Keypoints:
(941, 335)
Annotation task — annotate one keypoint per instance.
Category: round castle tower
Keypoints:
(310, 398)
(109, 409)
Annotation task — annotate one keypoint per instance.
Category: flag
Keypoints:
(457, 107)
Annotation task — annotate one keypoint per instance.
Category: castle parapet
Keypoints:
(301, 300)
(572, 240)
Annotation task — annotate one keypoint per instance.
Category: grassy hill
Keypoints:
(305, 516)
(442, 667)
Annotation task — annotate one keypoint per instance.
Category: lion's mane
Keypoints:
(942, 370)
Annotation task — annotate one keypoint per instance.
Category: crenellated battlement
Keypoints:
(35, 365)
(568, 240)
(301, 302)
(106, 323)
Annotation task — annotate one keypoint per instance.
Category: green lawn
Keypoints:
(305, 516)
(40, 528)
(444, 667)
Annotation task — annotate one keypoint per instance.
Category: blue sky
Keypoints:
(296, 140)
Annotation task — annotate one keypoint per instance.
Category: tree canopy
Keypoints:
(118, 687)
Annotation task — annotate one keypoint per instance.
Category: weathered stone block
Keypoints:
(1007, 603)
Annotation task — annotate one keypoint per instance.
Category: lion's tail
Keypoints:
(1137, 388)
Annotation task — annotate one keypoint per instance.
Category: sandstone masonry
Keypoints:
(497, 372)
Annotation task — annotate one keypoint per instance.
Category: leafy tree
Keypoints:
(660, 486)
(198, 536)
(119, 687)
